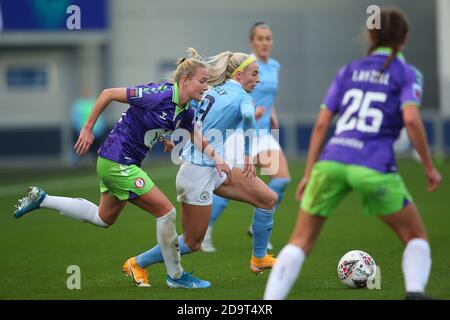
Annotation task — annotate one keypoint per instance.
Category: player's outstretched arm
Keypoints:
(315, 146)
(86, 137)
(168, 145)
(249, 126)
(202, 144)
(259, 112)
(274, 123)
(416, 132)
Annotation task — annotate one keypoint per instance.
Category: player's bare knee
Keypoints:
(164, 209)
(270, 201)
(267, 201)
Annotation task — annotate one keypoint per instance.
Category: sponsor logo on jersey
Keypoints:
(139, 183)
(135, 93)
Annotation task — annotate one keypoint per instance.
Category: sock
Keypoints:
(208, 234)
(279, 185)
(284, 273)
(154, 255)
(262, 229)
(75, 208)
(219, 204)
(416, 265)
(166, 234)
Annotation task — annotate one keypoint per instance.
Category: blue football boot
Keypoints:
(187, 281)
(30, 202)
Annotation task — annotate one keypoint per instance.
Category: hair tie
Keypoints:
(243, 65)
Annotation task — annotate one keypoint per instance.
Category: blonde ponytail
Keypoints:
(222, 66)
(188, 66)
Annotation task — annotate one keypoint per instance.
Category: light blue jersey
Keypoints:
(265, 92)
(224, 107)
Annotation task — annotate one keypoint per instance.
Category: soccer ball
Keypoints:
(355, 268)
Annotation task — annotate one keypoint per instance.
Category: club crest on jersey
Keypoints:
(135, 93)
(139, 183)
(417, 91)
(204, 196)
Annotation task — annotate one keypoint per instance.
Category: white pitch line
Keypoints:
(55, 185)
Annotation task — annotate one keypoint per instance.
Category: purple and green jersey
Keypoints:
(154, 113)
(370, 105)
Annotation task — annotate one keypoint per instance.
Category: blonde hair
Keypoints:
(188, 66)
(222, 66)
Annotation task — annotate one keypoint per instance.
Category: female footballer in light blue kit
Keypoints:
(224, 107)
(268, 153)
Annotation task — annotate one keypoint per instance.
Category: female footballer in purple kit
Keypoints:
(375, 97)
(156, 110)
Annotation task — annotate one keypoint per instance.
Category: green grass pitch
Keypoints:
(37, 249)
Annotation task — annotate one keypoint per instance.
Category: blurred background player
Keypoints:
(375, 97)
(225, 106)
(79, 113)
(155, 110)
(266, 151)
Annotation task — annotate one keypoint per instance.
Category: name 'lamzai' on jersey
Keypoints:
(371, 76)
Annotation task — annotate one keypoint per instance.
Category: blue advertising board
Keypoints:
(53, 15)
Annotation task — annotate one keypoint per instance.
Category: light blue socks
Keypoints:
(262, 229)
(154, 255)
(279, 185)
